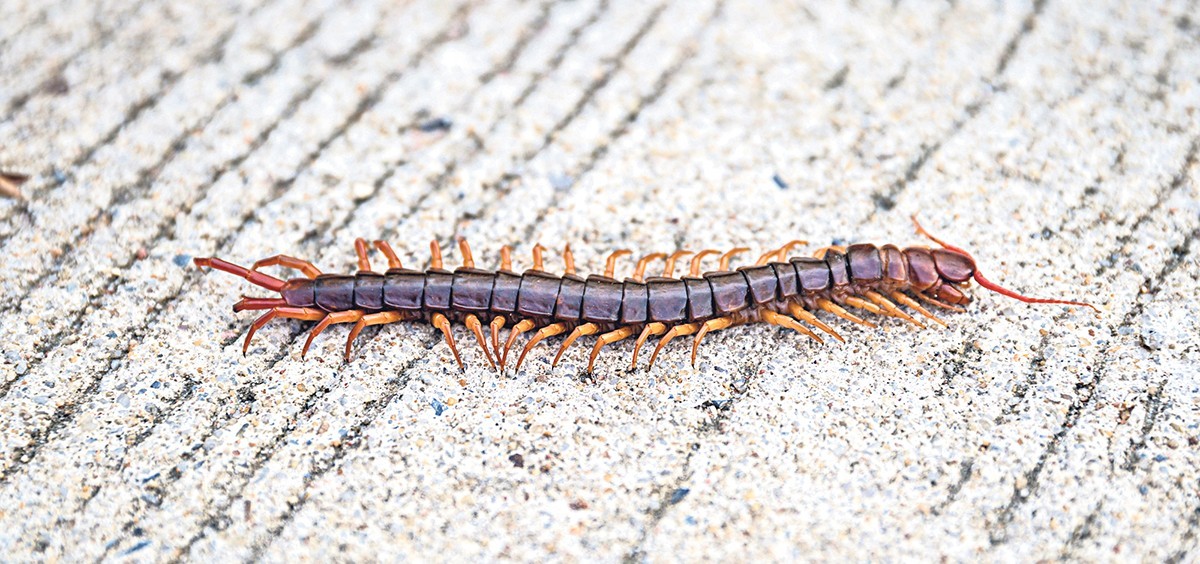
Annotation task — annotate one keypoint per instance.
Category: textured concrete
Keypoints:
(1057, 141)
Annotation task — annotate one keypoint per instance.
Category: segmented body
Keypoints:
(776, 290)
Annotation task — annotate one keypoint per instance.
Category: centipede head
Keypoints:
(956, 267)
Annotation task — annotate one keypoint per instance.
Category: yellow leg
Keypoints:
(547, 331)
(842, 313)
(650, 329)
(820, 253)
(464, 250)
(940, 304)
(676, 331)
(891, 308)
(694, 268)
(442, 323)
(669, 269)
(288, 262)
(368, 320)
(785, 250)
(435, 254)
(607, 339)
(710, 325)
(725, 258)
(904, 299)
(360, 249)
(807, 316)
(494, 328)
(610, 265)
(386, 249)
(335, 317)
(506, 258)
(857, 302)
(523, 326)
(568, 260)
(785, 321)
(640, 271)
(288, 312)
(582, 330)
(538, 264)
(473, 324)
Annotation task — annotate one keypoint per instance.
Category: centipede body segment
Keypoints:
(847, 283)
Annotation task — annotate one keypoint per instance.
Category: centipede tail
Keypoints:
(853, 283)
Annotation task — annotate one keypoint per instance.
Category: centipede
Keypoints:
(846, 282)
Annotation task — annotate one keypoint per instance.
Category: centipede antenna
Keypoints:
(992, 285)
(257, 278)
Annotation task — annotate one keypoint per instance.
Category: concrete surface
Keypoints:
(1057, 141)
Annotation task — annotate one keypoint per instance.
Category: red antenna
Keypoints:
(992, 285)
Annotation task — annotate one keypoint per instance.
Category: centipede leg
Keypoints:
(494, 328)
(607, 339)
(538, 263)
(938, 303)
(360, 250)
(710, 325)
(438, 320)
(891, 308)
(820, 253)
(285, 261)
(435, 255)
(841, 312)
(676, 331)
(464, 250)
(386, 249)
(650, 330)
(301, 313)
(857, 302)
(639, 271)
(610, 264)
(785, 321)
(905, 300)
(523, 326)
(568, 262)
(694, 266)
(349, 316)
(582, 330)
(473, 324)
(807, 316)
(547, 331)
(669, 268)
(505, 258)
(365, 321)
(249, 303)
(725, 258)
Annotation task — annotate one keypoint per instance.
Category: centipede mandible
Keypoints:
(789, 292)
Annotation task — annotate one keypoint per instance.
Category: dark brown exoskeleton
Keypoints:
(773, 290)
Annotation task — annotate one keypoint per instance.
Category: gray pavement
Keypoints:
(1057, 141)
